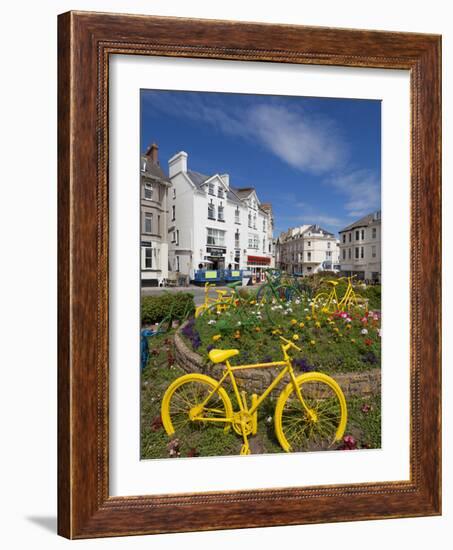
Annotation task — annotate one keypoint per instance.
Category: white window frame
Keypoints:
(173, 213)
(148, 217)
(144, 257)
(148, 187)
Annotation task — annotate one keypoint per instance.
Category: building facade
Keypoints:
(306, 250)
(213, 225)
(360, 248)
(154, 185)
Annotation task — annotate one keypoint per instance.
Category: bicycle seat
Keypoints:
(221, 355)
(334, 283)
(221, 292)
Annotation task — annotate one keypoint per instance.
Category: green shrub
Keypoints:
(156, 308)
(373, 293)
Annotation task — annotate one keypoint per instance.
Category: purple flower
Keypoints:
(302, 364)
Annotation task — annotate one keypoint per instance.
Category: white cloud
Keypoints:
(299, 139)
(361, 189)
(310, 143)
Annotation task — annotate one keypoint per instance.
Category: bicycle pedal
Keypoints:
(245, 449)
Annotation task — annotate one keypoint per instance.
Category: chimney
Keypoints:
(177, 163)
(153, 153)
(226, 179)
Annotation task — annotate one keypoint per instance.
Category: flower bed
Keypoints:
(333, 343)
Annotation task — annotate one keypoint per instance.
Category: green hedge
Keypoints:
(156, 308)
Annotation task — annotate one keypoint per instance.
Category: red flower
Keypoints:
(368, 341)
(156, 423)
(349, 443)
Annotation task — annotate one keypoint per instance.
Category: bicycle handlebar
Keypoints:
(291, 344)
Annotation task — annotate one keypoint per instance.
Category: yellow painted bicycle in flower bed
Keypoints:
(310, 414)
(329, 302)
(219, 304)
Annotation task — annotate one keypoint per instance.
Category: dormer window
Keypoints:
(236, 215)
(211, 189)
(220, 193)
(250, 219)
(148, 192)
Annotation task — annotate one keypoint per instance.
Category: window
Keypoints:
(211, 190)
(350, 237)
(264, 225)
(373, 233)
(349, 253)
(264, 246)
(174, 193)
(176, 263)
(173, 213)
(328, 254)
(254, 221)
(363, 234)
(236, 239)
(148, 222)
(177, 237)
(220, 213)
(362, 253)
(220, 193)
(328, 244)
(356, 252)
(309, 256)
(147, 257)
(308, 243)
(373, 251)
(211, 211)
(344, 254)
(357, 235)
(216, 237)
(250, 219)
(144, 166)
(256, 242)
(344, 237)
(148, 191)
(250, 241)
(158, 224)
(236, 215)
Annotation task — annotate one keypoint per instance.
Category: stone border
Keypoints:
(353, 384)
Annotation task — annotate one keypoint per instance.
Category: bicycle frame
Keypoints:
(229, 372)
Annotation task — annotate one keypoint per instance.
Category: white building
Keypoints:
(360, 248)
(215, 225)
(306, 250)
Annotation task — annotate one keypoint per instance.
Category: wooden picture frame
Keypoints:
(85, 41)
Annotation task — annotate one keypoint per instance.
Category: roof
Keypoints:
(243, 192)
(295, 232)
(199, 179)
(363, 222)
(154, 170)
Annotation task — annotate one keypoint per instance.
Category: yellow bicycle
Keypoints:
(221, 303)
(328, 302)
(311, 411)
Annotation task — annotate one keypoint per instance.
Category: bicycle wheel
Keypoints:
(298, 430)
(182, 405)
(321, 303)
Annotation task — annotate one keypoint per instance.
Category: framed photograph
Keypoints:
(249, 275)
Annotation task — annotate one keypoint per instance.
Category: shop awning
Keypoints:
(258, 260)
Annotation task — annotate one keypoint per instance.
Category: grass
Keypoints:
(363, 417)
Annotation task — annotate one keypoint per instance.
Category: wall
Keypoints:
(28, 296)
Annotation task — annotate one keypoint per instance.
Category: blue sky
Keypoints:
(317, 160)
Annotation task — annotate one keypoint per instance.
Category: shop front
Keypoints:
(258, 265)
